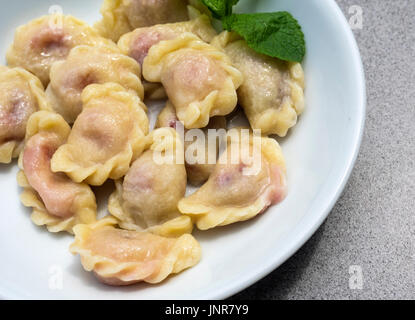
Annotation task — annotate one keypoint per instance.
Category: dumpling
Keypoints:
(106, 136)
(147, 198)
(57, 201)
(87, 65)
(272, 94)
(120, 257)
(198, 78)
(21, 94)
(122, 16)
(198, 172)
(248, 178)
(137, 43)
(41, 42)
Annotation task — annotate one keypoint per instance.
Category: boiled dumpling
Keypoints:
(122, 16)
(198, 169)
(147, 198)
(249, 177)
(41, 42)
(87, 65)
(106, 136)
(21, 94)
(137, 43)
(120, 257)
(198, 78)
(272, 94)
(57, 201)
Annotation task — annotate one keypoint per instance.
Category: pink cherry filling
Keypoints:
(142, 44)
(55, 189)
(50, 41)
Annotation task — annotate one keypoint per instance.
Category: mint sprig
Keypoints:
(275, 34)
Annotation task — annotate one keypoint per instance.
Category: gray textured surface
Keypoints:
(373, 224)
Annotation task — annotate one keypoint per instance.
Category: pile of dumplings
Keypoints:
(72, 111)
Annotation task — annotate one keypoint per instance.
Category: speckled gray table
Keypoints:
(366, 248)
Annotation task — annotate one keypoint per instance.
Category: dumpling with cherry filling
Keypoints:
(147, 198)
(137, 43)
(249, 177)
(58, 203)
(199, 79)
(87, 65)
(121, 257)
(272, 94)
(106, 137)
(43, 41)
(21, 95)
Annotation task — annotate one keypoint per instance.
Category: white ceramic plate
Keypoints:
(320, 153)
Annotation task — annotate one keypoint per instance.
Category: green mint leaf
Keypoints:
(220, 8)
(275, 34)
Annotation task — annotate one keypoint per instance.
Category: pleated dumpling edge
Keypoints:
(106, 137)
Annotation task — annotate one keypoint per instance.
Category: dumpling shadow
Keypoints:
(42, 230)
(224, 231)
(8, 168)
(281, 140)
(88, 279)
(290, 133)
(237, 118)
(102, 195)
